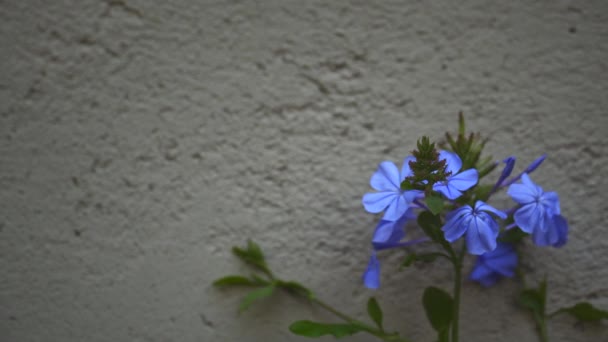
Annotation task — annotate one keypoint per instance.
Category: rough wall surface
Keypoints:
(140, 140)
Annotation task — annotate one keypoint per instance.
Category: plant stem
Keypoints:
(332, 310)
(542, 329)
(456, 307)
(371, 330)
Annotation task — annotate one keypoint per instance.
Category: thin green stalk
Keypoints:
(456, 305)
(370, 329)
(542, 329)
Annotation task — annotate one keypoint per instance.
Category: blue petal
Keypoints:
(386, 177)
(506, 172)
(411, 195)
(525, 180)
(561, 225)
(535, 164)
(452, 161)
(529, 217)
(544, 237)
(505, 265)
(483, 275)
(464, 180)
(396, 209)
(371, 277)
(551, 202)
(389, 231)
(447, 189)
(389, 245)
(521, 193)
(405, 168)
(457, 223)
(480, 205)
(375, 202)
(481, 235)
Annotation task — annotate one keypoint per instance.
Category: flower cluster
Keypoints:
(537, 213)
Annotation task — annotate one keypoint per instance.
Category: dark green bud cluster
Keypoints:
(427, 169)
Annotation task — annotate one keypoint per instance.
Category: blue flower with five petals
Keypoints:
(388, 234)
(492, 266)
(539, 213)
(456, 182)
(480, 228)
(387, 181)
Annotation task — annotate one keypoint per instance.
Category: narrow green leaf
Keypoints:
(438, 307)
(235, 280)
(461, 126)
(314, 329)
(435, 204)
(254, 295)
(584, 312)
(374, 311)
(296, 288)
(252, 255)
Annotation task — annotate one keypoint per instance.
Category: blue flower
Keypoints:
(371, 277)
(533, 166)
(388, 234)
(456, 183)
(539, 213)
(480, 228)
(492, 266)
(387, 181)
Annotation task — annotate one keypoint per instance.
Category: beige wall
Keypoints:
(140, 141)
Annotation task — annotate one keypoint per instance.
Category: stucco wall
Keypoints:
(140, 140)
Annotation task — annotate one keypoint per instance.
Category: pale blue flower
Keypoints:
(539, 213)
(480, 228)
(456, 182)
(387, 235)
(492, 266)
(387, 181)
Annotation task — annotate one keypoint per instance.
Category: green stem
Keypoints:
(542, 329)
(456, 307)
(370, 329)
(329, 308)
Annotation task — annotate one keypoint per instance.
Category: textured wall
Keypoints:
(140, 141)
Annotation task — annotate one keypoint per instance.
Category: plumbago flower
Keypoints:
(387, 181)
(456, 183)
(539, 213)
(388, 235)
(492, 266)
(480, 227)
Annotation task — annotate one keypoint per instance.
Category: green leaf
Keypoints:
(255, 295)
(435, 204)
(236, 280)
(425, 257)
(531, 299)
(584, 312)
(252, 255)
(461, 125)
(431, 225)
(534, 299)
(314, 329)
(296, 288)
(513, 235)
(482, 192)
(438, 306)
(374, 311)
